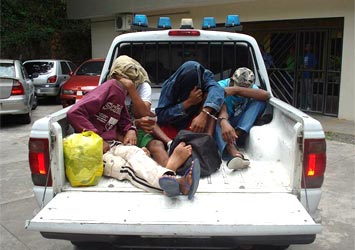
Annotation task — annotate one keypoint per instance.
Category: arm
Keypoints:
(257, 94)
(228, 132)
(146, 123)
(169, 109)
(215, 93)
(80, 113)
(140, 108)
(214, 100)
(127, 128)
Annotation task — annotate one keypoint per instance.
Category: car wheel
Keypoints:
(25, 118)
(34, 102)
(57, 98)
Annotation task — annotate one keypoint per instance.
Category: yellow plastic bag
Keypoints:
(83, 158)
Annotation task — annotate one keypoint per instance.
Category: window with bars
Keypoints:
(161, 59)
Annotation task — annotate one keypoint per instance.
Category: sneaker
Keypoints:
(238, 162)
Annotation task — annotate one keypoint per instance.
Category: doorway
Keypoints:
(306, 61)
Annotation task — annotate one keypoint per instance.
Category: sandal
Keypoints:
(196, 173)
(171, 187)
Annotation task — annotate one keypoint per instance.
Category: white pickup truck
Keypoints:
(273, 202)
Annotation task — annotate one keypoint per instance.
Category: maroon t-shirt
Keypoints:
(102, 110)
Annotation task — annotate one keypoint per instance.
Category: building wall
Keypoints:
(347, 82)
(103, 30)
(102, 34)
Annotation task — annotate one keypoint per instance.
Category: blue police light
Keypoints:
(140, 20)
(232, 20)
(208, 22)
(164, 23)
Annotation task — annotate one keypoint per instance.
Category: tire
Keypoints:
(34, 102)
(25, 118)
(57, 97)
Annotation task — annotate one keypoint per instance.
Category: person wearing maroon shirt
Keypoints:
(104, 112)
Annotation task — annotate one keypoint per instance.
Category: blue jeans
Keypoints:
(177, 89)
(243, 121)
(306, 93)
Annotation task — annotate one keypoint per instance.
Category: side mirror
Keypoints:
(71, 73)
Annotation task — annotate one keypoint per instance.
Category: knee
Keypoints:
(155, 146)
(190, 64)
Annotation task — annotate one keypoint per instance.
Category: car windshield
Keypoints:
(90, 68)
(40, 68)
(7, 70)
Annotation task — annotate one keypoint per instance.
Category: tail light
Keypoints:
(52, 79)
(314, 163)
(17, 88)
(39, 161)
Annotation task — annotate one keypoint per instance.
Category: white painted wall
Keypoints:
(103, 32)
(347, 82)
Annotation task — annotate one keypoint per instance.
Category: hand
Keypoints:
(130, 137)
(228, 132)
(146, 123)
(106, 147)
(127, 83)
(195, 97)
(198, 124)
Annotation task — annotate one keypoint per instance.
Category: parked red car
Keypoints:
(86, 75)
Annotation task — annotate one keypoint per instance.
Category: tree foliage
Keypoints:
(33, 29)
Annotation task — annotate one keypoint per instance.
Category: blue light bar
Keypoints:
(140, 20)
(164, 23)
(208, 22)
(232, 20)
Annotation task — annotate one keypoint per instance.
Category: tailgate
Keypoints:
(147, 214)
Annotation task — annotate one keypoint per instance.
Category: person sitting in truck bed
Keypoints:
(104, 112)
(138, 102)
(189, 99)
(243, 104)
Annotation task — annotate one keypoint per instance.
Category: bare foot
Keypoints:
(185, 182)
(181, 153)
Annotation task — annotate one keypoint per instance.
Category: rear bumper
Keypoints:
(15, 105)
(176, 242)
(67, 100)
(47, 90)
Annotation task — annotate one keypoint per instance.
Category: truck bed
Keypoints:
(230, 207)
(259, 177)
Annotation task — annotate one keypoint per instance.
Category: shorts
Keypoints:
(143, 138)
